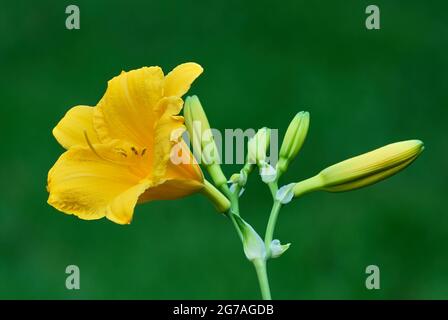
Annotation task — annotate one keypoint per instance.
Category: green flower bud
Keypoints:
(293, 140)
(196, 122)
(256, 154)
(239, 179)
(201, 137)
(277, 249)
(258, 145)
(363, 170)
(234, 178)
(267, 172)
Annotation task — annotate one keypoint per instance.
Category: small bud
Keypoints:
(277, 249)
(363, 170)
(258, 145)
(253, 245)
(267, 172)
(293, 140)
(234, 178)
(239, 178)
(201, 137)
(256, 154)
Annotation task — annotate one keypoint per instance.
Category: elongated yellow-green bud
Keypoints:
(258, 146)
(196, 123)
(256, 154)
(293, 140)
(363, 170)
(201, 137)
(199, 128)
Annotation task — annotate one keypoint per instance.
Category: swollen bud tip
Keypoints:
(293, 140)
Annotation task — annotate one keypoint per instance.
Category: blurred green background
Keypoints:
(263, 61)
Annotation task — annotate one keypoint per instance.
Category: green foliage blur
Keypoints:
(264, 61)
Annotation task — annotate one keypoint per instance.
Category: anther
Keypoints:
(122, 152)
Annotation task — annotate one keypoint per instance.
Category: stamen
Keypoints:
(122, 152)
(91, 146)
(134, 150)
(89, 143)
(143, 151)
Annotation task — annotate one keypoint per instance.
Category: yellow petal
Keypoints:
(70, 130)
(179, 80)
(127, 110)
(183, 176)
(92, 185)
(182, 164)
(170, 190)
(166, 134)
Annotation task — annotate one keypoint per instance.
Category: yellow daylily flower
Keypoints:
(118, 152)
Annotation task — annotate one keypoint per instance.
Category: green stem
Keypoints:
(271, 226)
(234, 209)
(260, 265)
(260, 268)
(235, 224)
(274, 188)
